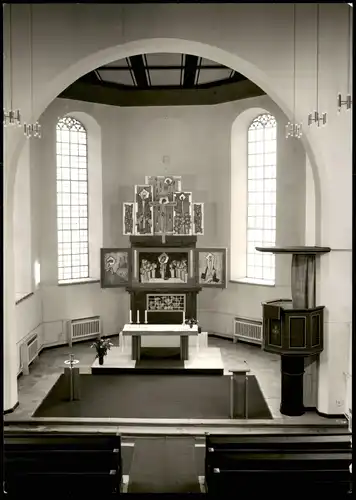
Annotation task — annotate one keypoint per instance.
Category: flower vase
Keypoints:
(101, 360)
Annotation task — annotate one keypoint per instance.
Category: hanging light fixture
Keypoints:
(316, 117)
(31, 129)
(11, 116)
(348, 101)
(294, 129)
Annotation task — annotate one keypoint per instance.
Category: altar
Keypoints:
(137, 332)
(163, 271)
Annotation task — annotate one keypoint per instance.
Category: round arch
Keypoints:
(156, 45)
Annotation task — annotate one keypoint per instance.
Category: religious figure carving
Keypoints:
(163, 259)
(210, 275)
(161, 207)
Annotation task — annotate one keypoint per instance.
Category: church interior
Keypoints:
(177, 248)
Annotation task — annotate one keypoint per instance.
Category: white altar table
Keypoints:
(138, 331)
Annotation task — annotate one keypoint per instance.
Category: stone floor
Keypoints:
(46, 369)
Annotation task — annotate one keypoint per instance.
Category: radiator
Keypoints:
(248, 330)
(80, 329)
(32, 348)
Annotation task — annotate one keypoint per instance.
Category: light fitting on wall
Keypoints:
(11, 116)
(348, 101)
(315, 116)
(31, 129)
(294, 129)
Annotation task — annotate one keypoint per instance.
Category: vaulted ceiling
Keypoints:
(162, 80)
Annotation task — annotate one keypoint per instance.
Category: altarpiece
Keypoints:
(163, 270)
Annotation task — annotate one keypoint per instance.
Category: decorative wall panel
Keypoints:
(165, 302)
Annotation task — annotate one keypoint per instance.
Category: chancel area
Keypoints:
(177, 248)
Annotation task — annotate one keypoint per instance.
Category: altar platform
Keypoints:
(203, 360)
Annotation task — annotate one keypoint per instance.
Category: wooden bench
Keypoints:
(69, 464)
(308, 464)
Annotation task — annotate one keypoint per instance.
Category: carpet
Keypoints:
(154, 396)
(164, 465)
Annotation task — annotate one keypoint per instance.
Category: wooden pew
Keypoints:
(308, 464)
(69, 464)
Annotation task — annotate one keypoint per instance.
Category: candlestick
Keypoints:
(138, 316)
(130, 316)
(145, 316)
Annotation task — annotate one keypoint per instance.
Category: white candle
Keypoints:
(138, 316)
(145, 316)
(183, 316)
(130, 316)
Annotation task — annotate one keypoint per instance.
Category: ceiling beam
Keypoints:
(190, 69)
(114, 96)
(237, 77)
(97, 74)
(159, 67)
(139, 71)
(90, 78)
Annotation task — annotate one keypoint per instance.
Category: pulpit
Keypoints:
(294, 328)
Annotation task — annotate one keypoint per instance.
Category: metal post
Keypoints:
(232, 396)
(70, 362)
(246, 395)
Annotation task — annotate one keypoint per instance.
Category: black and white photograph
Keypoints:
(178, 249)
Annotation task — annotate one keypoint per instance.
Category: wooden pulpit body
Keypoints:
(294, 328)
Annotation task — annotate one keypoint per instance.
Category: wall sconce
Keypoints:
(347, 102)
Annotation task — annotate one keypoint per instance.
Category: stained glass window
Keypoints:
(261, 192)
(72, 200)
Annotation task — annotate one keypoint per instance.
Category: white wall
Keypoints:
(27, 224)
(309, 205)
(197, 143)
(22, 227)
(254, 41)
(28, 321)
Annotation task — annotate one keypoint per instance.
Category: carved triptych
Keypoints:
(161, 207)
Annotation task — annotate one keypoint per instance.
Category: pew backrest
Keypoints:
(255, 460)
(72, 462)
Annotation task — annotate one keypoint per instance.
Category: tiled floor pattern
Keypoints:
(46, 369)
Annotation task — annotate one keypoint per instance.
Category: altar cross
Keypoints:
(163, 203)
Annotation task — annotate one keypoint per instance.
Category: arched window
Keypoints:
(72, 200)
(261, 191)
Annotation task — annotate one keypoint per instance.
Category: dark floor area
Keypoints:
(153, 396)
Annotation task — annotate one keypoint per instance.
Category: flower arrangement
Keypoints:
(102, 347)
(191, 322)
